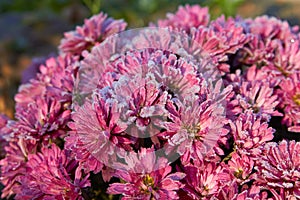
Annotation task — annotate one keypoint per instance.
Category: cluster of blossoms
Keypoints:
(187, 108)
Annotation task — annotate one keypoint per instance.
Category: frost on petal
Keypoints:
(146, 177)
(250, 134)
(279, 168)
(205, 181)
(5, 133)
(97, 129)
(241, 167)
(289, 94)
(221, 39)
(42, 119)
(13, 166)
(48, 176)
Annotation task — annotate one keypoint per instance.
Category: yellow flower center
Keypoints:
(148, 185)
(206, 188)
(148, 181)
(283, 72)
(193, 130)
(239, 173)
(296, 99)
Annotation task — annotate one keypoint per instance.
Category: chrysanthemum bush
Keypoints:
(186, 108)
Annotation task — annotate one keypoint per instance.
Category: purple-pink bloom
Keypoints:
(287, 58)
(186, 17)
(5, 130)
(42, 119)
(253, 193)
(258, 52)
(259, 97)
(205, 181)
(273, 47)
(289, 94)
(98, 129)
(194, 128)
(221, 39)
(278, 60)
(146, 176)
(81, 154)
(271, 28)
(241, 166)
(94, 31)
(56, 79)
(278, 168)
(250, 133)
(49, 175)
(43, 105)
(58, 74)
(13, 166)
(29, 92)
(176, 75)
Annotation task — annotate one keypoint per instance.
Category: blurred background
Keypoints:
(31, 29)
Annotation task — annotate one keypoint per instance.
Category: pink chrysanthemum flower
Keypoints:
(250, 133)
(48, 176)
(58, 74)
(186, 18)
(271, 38)
(176, 75)
(5, 130)
(146, 176)
(98, 127)
(194, 128)
(231, 33)
(253, 193)
(220, 39)
(56, 78)
(93, 32)
(13, 165)
(278, 60)
(257, 52)
(142, 105)
(287, 58)
(33, 69)
(205, 181)
(279, 168)
(43, 105)
(29, 92)
(268, 28)
(241, 167)
(253, 90)
(255, 73)
(289, 94)
(42, 119)
(86, 160)
(259, 97)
